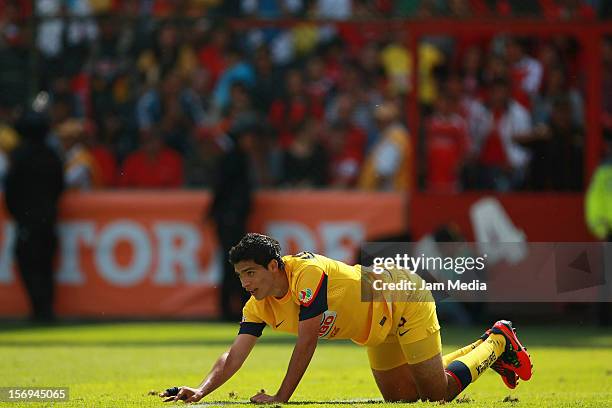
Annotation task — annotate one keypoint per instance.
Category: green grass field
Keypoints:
(116, 365)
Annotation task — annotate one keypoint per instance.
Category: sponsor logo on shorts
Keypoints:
(327, 323)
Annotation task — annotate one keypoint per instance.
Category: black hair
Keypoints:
(258, 248)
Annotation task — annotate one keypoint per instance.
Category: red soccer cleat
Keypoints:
(515, 358)
(508, 376)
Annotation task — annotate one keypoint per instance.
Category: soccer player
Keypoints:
(317, 297)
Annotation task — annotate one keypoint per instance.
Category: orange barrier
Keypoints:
(149, 254)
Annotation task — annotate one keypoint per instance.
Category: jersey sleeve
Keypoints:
(251, 322)
(311, 291)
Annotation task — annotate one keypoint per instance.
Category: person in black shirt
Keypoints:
(33, 186)
(232, 202)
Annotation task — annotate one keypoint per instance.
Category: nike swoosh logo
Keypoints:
(276, 327)
(404, 332)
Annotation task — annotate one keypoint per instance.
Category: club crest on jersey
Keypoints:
(327, 323)
(305, 295)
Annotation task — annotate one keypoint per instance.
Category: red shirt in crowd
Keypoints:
(493, 152)
(106, 166)
(163, 171)
(447, 144)
(285, 116)
(346, 157)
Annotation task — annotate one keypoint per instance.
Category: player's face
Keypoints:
(255, 279)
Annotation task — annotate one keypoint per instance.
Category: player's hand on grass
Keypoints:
(263, 398)
(186, 394)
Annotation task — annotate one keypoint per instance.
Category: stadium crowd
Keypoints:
(148, 94)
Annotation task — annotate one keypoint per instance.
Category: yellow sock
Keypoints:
(453, 355)
(468, 368)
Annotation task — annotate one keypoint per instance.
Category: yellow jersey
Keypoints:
(320, 285)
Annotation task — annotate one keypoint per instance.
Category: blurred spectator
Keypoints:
(153, 165)
(318, 85)
(346, 140)
(240, 107)
(447, 144)
(396, 60)
(525, 71)
(267, 79)
(65, 103)
(166, 49)
(557, 86)
(104, 160)
(200, 162)
(388, 165)
(237, 70)
(212, 54)
(174, 108)
(557, 151)
(471, 68)
(346, 146)
(495, 67)
(305, 162)
(598, 212)
(355, 100)
(32, 191)
(290, 109)
(502, 160)
(80, 168)
(463, 102)
(598, 203)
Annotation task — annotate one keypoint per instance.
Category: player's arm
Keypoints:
(313, 303)
(308, 334)
(225, 367)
